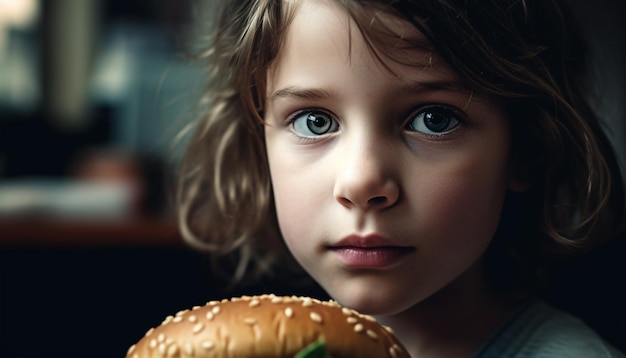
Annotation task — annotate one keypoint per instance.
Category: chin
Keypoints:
(375, 300)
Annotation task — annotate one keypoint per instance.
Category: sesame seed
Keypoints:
(315, 317)
(369, 318)
(358, 328)
(388, 329)
(153, 343)
(131, 350)
(307, 303)
(150, 331)
(180, 313)
(162, 349)
(396, 348)
(197, 328)
(289, 312)
(249, 320)
(254, 303)
(371, 334)
(161, 338)
(193, 319)
(177, 319)
(189, 349)
(172, 350)
(346, 311)
(167, 320)
(216, 310)
(209, 315)
(208, 345)
(393, 353)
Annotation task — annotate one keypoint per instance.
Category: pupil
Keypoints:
(436, 122)
(318, 124)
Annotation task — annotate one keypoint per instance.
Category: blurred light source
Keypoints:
(19, 83)
(15, 14)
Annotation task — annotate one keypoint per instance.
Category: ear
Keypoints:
(519, 177)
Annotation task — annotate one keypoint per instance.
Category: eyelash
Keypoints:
(291, 122)
(455, 115)
(457, 118)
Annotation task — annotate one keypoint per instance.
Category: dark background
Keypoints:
(87, 80)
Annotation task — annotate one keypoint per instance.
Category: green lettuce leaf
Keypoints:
(314, 350)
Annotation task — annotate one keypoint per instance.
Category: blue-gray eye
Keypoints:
(314, 123)
(434, 121)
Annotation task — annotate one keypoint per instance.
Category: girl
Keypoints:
(424, 161)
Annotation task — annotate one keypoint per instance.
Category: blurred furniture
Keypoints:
(25, 233)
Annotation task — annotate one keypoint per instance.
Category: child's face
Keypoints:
(387, 188)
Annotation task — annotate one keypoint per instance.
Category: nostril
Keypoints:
(364, 196)
(377, 200)
(344, 201)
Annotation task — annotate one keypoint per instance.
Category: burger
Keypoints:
(268, 326)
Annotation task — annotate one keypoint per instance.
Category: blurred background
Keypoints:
(90, 96)
(92, 93)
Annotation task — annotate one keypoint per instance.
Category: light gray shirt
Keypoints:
(538, 330)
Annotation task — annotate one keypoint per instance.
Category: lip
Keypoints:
(369, 252)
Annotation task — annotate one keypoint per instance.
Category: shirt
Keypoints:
(538, 330)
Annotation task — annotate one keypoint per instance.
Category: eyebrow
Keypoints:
(410, 87)
(433, 86)
(299, 92)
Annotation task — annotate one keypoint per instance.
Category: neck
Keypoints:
(455, 321)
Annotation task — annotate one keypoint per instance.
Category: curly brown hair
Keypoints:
(526, 54)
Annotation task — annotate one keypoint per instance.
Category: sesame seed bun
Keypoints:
(267, 326)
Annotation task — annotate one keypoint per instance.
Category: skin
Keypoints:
(417, 207)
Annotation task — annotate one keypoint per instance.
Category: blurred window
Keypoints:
(18, 78)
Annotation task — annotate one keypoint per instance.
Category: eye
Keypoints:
(313, 124)
(434, 121)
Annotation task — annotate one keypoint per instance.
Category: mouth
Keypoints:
(369, 252)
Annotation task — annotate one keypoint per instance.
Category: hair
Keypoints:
(526, 54)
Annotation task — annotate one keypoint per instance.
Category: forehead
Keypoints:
(357, 31)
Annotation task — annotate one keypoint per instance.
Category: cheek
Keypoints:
(297, 197)
(291, 209)
(297, 206)
(465, 202)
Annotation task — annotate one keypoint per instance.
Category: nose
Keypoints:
(366, 180)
